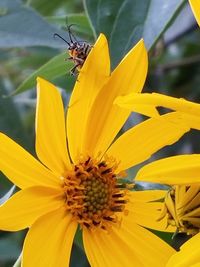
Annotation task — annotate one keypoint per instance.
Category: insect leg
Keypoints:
(79, 60)
(72, 71)
(71, 34)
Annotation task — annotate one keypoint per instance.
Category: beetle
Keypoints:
(77, 50)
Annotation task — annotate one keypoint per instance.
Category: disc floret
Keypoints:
(93, 194)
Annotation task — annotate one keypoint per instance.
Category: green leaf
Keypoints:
(78, 257)
(82, 25)
(21, 26)
(167, 237)
(9, 249)
(10, 121)
(55, 67)
(46, 7)
(125, 22)
(18, 262)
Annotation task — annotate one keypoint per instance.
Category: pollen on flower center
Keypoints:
(182, 208)
(93, 194)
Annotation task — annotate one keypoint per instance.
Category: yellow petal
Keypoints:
(146, 104)
(22, 168)
(146, 138)
(129, 245)
(145, 244)
(106, 119)
(49, 241)
(93, 75)
(148, 215)
(145, 213)
(183, 169)
(189, 255)
(193, 121)
(184, 196)
(51, 144)
(108, 249)
(147, 195)
(195, 5)
(145, 110)
(134, 101)
(23, 209)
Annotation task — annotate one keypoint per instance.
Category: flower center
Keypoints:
(93, 194)
(182, 208)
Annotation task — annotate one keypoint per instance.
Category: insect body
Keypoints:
(78, 54)
(78, 50)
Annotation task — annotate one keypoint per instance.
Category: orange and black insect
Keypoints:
(78, 50)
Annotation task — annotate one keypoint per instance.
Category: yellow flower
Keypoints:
(181, 207)
(180, 210)
(195, 5)
(77, 179)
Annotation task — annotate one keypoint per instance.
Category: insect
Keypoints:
(78, 50)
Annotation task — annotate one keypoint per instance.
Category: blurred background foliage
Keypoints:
(28, 49)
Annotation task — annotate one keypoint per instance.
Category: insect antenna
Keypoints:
(71, 34)
(58, 35)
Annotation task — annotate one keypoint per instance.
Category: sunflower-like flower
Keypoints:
(78, 179)
(181, 207)
(182, 201)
